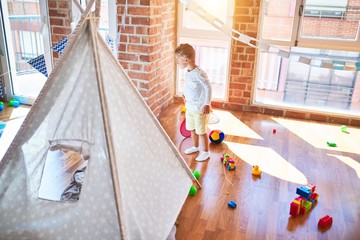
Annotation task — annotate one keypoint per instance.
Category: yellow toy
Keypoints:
(256, 171)
(183, 109)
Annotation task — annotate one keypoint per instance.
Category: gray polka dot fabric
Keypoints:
(151, 179)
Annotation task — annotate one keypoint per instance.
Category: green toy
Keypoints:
(196, 174)
(344, 129)
(192, 191)
(331, 144)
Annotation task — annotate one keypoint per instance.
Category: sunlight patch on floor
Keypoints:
(318, 135)
(269, 161)
(12, 127)
(348, 161)
(231, 125)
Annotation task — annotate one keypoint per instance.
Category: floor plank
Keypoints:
(13, 117)
(295, 155)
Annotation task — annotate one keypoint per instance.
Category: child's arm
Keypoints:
(204, 80)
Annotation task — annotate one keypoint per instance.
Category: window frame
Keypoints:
(216, 36)
(298, 41)
(8, 61)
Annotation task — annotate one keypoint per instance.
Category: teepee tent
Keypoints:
(135, 179)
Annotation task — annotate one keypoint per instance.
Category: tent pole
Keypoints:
(110, 147)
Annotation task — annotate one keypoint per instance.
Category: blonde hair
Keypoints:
(185, 50)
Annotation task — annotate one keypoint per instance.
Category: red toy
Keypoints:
(183, 131)
(325, 221)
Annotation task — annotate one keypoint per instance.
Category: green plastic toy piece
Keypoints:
(331, 144)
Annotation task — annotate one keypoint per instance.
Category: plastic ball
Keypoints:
(1, 103)
(11, 102)
(15, 103)
(1, 108)
(192, 191)
(196, 174)
(183, 109)
(216, 136)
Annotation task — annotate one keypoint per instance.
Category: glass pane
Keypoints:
(25, 34)
(310, 86)
(278, 19)
(331, 19)
(104, 18)
(343, 78)
(320, 75)
(298, 70)
(214, 7)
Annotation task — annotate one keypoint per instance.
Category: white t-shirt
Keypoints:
(197, 90)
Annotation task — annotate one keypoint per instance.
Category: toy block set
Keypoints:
(228, 162)
(305, 201)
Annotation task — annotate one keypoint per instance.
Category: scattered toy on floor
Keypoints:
(183, 131)
(216, 136)
(14, 103)
(183, 108)
(305, 201)
(196, 173)
(343, 128)
(228, 162)
(325, 222)
(2, 127)
(256, 171)
(232, 204)
(331, 144)
(193, 191)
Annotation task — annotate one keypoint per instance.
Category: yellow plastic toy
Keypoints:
(256, 171)
(183, 109)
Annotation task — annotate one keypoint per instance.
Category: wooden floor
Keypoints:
(13, 117)
(295, 155)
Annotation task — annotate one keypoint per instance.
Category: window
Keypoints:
(312, 23)
(211, 45)
(325, 9)
(24, 30)
(314, 32)
(108, 18)
(31, 44)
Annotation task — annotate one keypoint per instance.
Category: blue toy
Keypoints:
(2, 127)
(232, 204)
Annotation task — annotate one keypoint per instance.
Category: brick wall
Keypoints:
(243, 58)
(60, 19)
(243, 70)
(146, 49)
(146, 44)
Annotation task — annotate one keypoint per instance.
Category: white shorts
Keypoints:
(196, 121)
